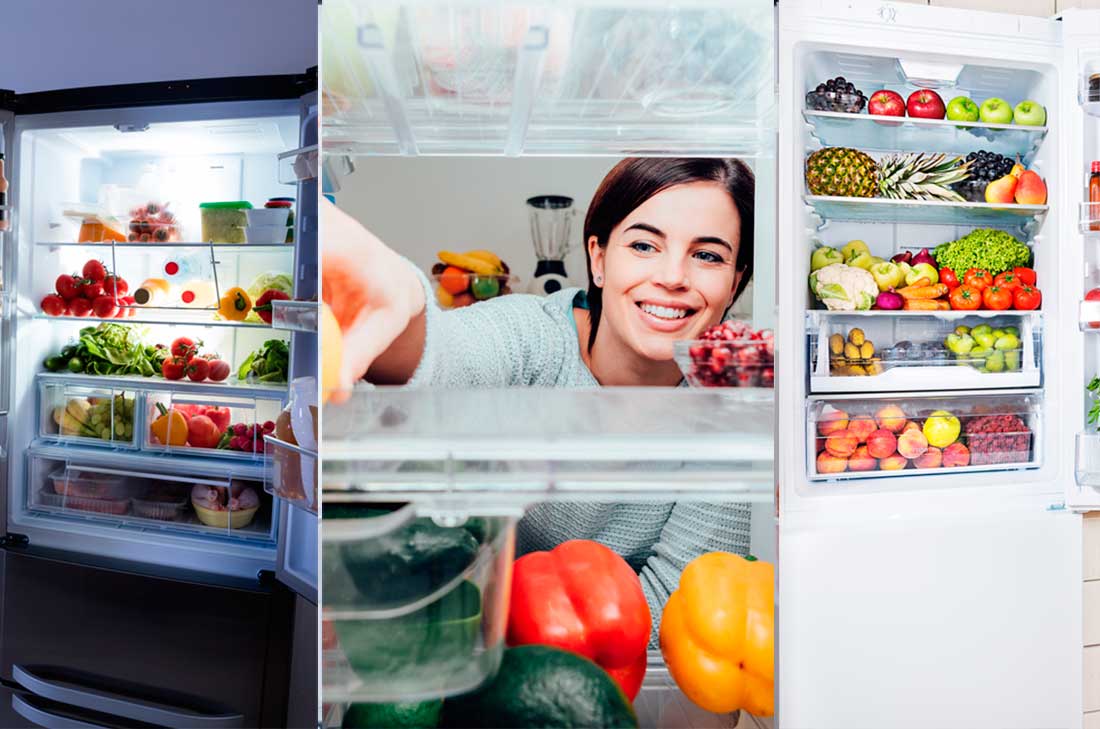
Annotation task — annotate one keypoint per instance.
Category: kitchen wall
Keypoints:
(52, 44)
(1042, 8)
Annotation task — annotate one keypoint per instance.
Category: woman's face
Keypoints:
(669, 268)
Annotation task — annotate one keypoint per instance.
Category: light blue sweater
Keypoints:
(522, 340)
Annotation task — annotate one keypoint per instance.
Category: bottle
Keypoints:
(1094, 197)
(3, 195)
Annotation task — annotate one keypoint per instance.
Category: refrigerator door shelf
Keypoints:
(576, 77)
(912, 134)
(1088, 219)
(954, 434)
(298, 165)
(1088, 94)
(292, 473)
(1088, 465)
(295, 316)
(453, 448)
(925, 212)
(838, 365)
(1088, 316)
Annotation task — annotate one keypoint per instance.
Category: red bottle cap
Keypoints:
(1095, 167)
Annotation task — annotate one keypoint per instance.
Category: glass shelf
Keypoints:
(1087, 468)
(230, 386)
(885, 210)
(816, 314)
(200, 319)
(570, 77)
(298, 165)
(297, 316)
(162, 247)
(1088, 317)
(522, 445)
(909, 134)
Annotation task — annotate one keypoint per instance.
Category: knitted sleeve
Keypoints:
(692, 529)
(503, 342)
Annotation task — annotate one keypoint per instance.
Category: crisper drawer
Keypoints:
(886, 437)
(899, 352)
(157, 650)
(95, 416)
(221, 507)
(171, 425)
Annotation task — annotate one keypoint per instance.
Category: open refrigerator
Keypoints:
(523, 80)
(181, 545)
(949, 596)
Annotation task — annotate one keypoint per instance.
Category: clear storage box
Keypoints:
(292, 473)
(231, 427)
(97, 416)
(728, 363)
(416, 610)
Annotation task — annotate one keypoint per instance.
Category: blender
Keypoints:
(551, 219)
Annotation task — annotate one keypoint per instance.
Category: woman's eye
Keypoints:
(642, 247)
(709, 257)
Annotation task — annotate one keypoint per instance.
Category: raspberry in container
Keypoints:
(730, 354)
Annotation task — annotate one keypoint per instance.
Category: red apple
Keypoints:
(956, 455)
(882, 443)
(886, 103)
(925, 104)
(1093, 295)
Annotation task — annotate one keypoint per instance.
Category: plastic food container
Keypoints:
(238, 519)
(265, 234)
(224, 222)
(726, 363)
(160, 509)
(115, 507)
(412, 621)
(453, 291)
(268, 217)
(288, 203)
(86, 485)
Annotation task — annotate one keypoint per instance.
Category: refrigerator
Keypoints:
(440, 120)
(136, 590)
(948, 595)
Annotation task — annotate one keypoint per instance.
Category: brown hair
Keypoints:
(636, 179)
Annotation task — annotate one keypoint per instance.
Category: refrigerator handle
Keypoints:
(105, 702)
(38, 716)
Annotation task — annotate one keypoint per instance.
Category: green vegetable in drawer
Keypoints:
(421, 715)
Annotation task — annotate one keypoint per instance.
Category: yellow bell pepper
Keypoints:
(718, 634)
(171, 427)
(235, 305)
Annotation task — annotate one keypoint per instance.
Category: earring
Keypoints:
(599, 280)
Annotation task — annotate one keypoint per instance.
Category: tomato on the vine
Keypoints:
(67, 286)
(95, 271)
(997, 298)
(54, 305)
(966, 298)
(1027, 298)
(978, 278)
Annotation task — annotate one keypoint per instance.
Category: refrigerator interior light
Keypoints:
(929, 74)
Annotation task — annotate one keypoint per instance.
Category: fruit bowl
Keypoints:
(237, 519)
(726, 363)
(835, 101)
(454, 291)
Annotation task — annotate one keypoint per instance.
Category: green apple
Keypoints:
(887, 275)
(852, 248)
(922, 270)
(959, 343)
(962, 329)
(995, 362)
(1030, 113)
(980, 353)
(984, 339)
(825, 256)
(862, 260)
(962, 108)
(995, 111)
(1012, 360)
(1007, 341)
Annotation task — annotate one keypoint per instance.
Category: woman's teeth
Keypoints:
(664, 312)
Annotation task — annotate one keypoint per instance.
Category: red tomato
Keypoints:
(68, 286)
(105, 307)
(90, 290)
(948, 278)
(198, 369)
(54, 305)
(202, 433)
(185, 347)
(1027, 298)
(219, 370)
(95, 271)
(80, 306)
(130, 304)
(997, 298)
(1007, 280)
(966, 298)
(172, 368)
(979, 278)
(114, 282)
(1026, 275)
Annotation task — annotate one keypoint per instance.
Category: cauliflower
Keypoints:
(844, 288)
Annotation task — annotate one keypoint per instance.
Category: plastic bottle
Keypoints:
(1094, 197)
(3, 195)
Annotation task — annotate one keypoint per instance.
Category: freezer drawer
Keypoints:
(175, 636)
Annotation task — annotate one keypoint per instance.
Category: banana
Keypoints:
(72, 426)
(489, 257)
(468, 263)
(78, 408)
(58, 412)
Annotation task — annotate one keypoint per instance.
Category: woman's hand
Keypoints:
(376, 297)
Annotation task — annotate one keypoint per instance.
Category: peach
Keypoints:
(828, 463)
(910, 425)
(861, 460)
(895, 462)
(931, 458)
(842, 444)
(890, 417)
(861, 427)
(832, 420)
(912, 443)
(956, 455)
(882, 443)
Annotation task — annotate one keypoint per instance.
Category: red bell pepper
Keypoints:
(262, 307)
(584, 598)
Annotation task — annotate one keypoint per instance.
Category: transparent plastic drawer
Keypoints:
(855, 353)
(291, 473)
(95, 416)
(133, 498)
(208, 425)
(883, 437)
(414, 608)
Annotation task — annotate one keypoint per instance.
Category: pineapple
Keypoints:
(844, 172)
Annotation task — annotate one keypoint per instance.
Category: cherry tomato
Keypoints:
(997, 298)
(1026, 275)
(68, 286)
(128, 306)
(979, 278)
(1007, 280)
(966, 298)
(185, 347)
(173, 368)
(111, 283)
(198, 369)
(54, 305)
(948, 278)
(105, 307)
(90, 290)
(80, 306)
(95, 271)
(1027, 298)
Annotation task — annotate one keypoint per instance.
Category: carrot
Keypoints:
(934, 291)
(923, 281)
(925, 305)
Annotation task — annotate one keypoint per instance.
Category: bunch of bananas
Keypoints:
(463, 278)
